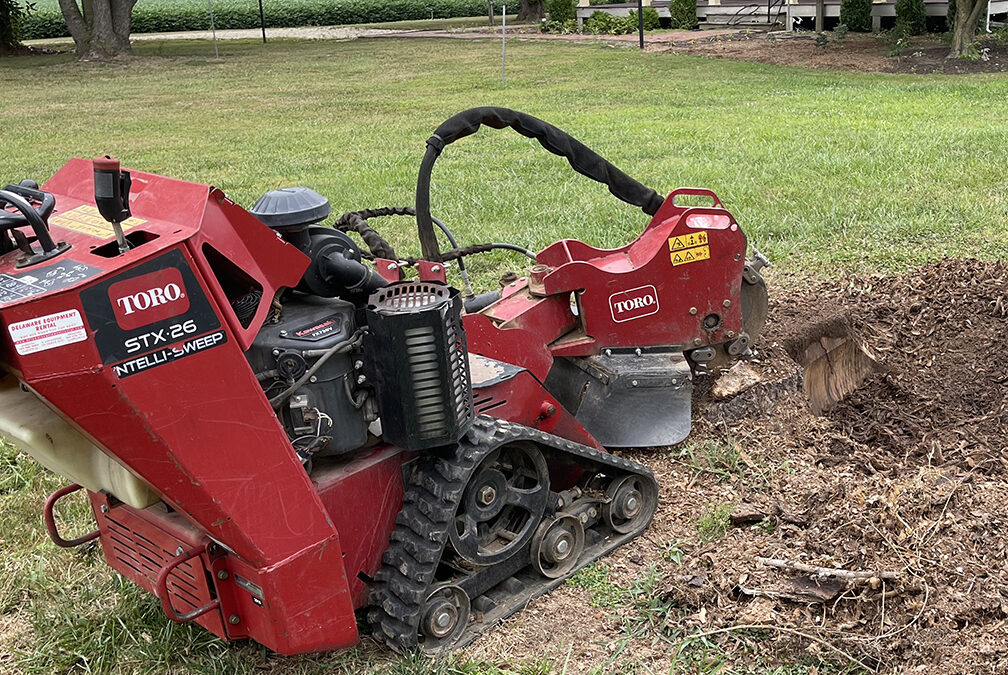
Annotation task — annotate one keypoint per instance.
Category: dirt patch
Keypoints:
(901, 487)
(856, 52)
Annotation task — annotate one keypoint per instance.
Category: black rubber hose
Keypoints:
(339, 270)
(583, 159)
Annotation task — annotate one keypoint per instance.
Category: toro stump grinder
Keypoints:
(276, 428)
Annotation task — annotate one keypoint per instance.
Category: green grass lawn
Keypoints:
(828, 173)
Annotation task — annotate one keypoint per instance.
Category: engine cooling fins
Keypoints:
(482, 531)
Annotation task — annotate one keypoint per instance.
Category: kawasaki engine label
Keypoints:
(152, 315)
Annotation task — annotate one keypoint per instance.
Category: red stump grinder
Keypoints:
(276, 428)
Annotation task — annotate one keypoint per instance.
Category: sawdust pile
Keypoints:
(872, 534)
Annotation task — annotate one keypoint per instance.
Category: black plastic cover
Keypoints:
(421, 364)
(291, 207)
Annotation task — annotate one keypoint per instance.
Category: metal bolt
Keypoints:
(358, 365)
(726, 303)
(104, 508)
(361, 379)
(737, 256)
(637, 351)
(223, 574)
(562, 547)
(633, 383)
(631, 504)
(313, 379)
(392, 267)
(179, 551)
(443, 620)
(276, 352)
(697, 341)
(608, 352)
(435, 268)
(487, 495)
(730, 333)
(283, 333)
(234, 619)
(583, 518)
(692, 310)
(592, 513)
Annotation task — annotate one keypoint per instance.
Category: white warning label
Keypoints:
(47, 332)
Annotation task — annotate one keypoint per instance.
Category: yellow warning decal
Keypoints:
(687, 241)
(87, 220)
(690, 255)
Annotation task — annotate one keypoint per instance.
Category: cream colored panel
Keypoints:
(28, 424)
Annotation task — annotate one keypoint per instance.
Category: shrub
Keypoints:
(156, 16)
(856, 14)
(561, 10)
(683, 13)
(559, 27)
(600, 23)
(651, 20)
(12, 17)
(911, 17)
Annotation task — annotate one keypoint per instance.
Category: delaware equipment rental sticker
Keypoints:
(47, 332)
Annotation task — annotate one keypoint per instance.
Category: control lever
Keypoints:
(111, 189)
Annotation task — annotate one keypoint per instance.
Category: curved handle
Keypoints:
(582, 159)
(695, 192)
(31, 216)
(50, 519)
(161, 586)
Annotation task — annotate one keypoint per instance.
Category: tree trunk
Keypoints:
(530, 10)
(100, 28)
(964, 28)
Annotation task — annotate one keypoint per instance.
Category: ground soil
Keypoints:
(905, 478)
(856, 52)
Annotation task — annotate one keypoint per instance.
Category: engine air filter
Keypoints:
(421, 363)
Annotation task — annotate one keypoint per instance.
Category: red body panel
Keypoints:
(150, 365)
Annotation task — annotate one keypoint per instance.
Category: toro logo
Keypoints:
(149, 298)
(633, 304)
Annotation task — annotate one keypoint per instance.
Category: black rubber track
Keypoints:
(434, 488)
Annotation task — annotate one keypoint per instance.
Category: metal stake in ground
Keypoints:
(262, 21)
(213, 31)
(503, 40)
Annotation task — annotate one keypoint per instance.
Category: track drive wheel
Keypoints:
(502, 504)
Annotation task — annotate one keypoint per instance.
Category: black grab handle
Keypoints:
(583, 159)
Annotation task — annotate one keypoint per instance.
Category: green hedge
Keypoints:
(561, 11)
(683, 13)
(911, 17)
(603, 23)
(12, 16)
(161, 16)
(856, 14)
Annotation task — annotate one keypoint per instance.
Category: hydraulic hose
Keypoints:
(583, 159)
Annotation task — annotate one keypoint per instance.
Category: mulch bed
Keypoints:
(902, 488)
(856, 52)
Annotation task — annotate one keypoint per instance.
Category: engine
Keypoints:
(345, 358)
